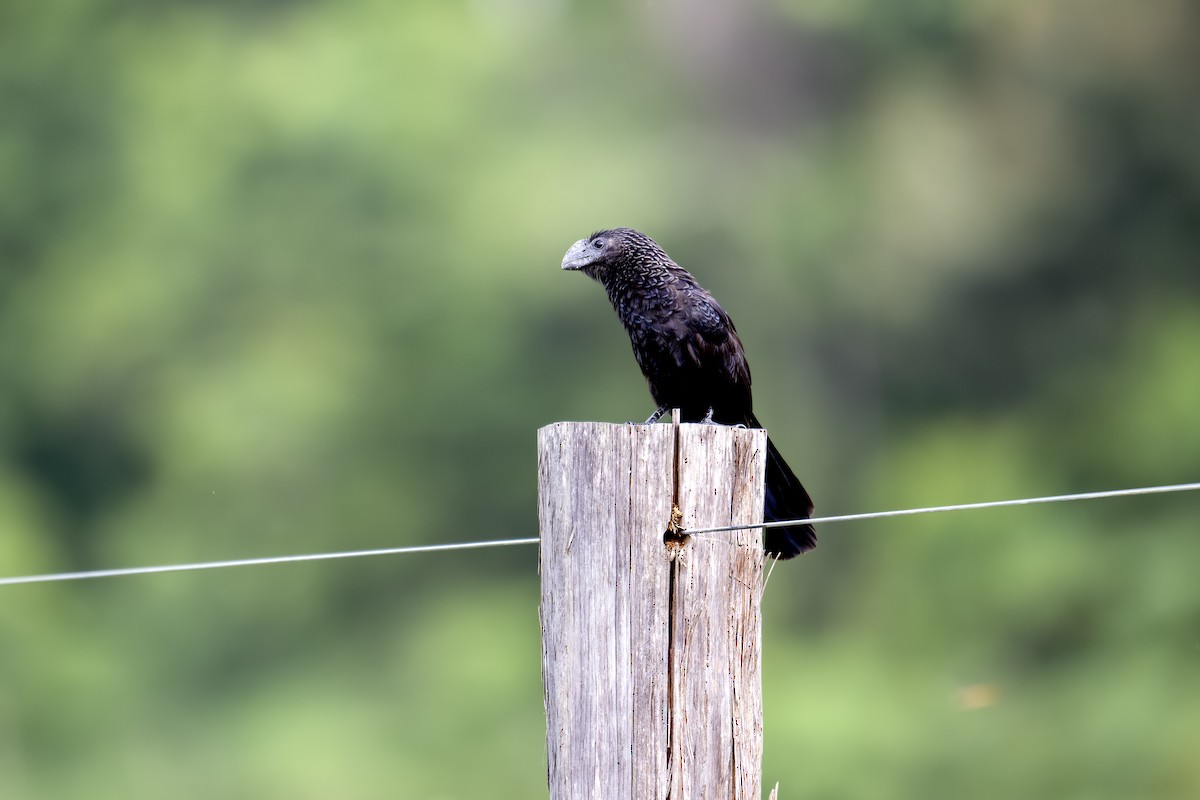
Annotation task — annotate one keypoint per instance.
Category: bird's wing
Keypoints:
(709, 339)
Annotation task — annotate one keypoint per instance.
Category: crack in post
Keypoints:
(675, 536)
(673, 539)
(671, 674)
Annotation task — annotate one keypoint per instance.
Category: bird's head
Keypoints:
(605, 250)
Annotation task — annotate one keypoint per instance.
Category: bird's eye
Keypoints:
(598, 242)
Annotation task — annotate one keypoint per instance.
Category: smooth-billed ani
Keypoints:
(691, 356)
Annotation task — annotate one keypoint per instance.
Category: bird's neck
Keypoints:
(640, 290)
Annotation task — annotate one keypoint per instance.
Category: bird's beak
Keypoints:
(578, 256)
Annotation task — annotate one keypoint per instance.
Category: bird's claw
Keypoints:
(708, 420)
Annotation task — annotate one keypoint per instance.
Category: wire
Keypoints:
(250, 562)
(904, 512)
(434, 548)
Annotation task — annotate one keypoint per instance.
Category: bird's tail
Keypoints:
(785, 498)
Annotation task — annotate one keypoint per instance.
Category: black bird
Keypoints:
(691, 356)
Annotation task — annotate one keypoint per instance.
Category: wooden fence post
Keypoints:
(651, 653)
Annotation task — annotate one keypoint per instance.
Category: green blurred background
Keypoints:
(283, 277)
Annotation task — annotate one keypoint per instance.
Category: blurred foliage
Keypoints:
(282, 277)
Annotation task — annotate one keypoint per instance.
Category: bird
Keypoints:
(692, 359)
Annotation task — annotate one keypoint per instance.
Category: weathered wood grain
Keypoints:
(716, 656)
(651, 656)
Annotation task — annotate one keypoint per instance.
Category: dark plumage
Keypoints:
(691, 356)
